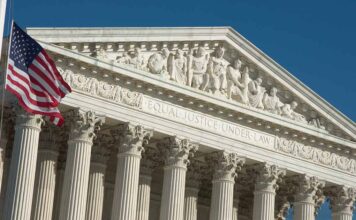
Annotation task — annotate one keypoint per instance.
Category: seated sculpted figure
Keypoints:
(255, 93)
(238, 90)
(124, 59)
(137, 60)
(271, 101)
(197, 67)
(100, 54)
(288, 110)
(177, 67)
(134, 59)
(157, 63)
(216, 78)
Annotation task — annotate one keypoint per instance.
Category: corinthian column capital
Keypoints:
(177, 151)
(309, 188)
(342, 199)
(267, 176)
(84, 124)
(25, 119)
(131, 138)
(225, 165)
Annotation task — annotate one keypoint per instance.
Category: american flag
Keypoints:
(33, 77)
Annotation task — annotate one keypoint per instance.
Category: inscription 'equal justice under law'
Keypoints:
(200, 120)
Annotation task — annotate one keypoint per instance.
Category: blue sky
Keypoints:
(314, 40)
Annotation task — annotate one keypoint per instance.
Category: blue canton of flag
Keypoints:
(33, 77)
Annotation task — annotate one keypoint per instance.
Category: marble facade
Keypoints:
(175, 124)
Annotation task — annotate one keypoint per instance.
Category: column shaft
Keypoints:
(263, 205)
(95, 199)
(172, 203)
(143, 197)
(126, 187)
(108, 200)
(4, 170)
(191, 203)
(3, 143)
(304, 211)
(19, 193)
(45, 185)
(58, 192)
(235, 210)
(222, 200)
(76, 176)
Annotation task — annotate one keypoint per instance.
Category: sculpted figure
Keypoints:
(197, 67)
(177, 67)
(271, 101)
(239, 89)
(137, 60)
(216, 79)
(100, 54)
(157, 63)
(255, 93)
(124, 59)
(316, 122)
(288, 110)
(233, 76)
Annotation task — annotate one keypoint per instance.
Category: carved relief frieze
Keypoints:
(101, 88)
(315, 154)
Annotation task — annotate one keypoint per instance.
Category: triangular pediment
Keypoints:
(187, 59)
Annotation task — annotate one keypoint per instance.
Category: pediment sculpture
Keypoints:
(212, 73)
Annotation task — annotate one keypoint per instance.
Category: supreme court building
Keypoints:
(175, 124)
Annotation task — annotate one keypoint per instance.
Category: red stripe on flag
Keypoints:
(34, 102)
(58, 75)
(18, 75)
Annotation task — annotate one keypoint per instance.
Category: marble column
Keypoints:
(308, 192)
(76, 176)
(108, 196)
(191, 191)
(45, 181)
(3, 143)
(176, 153)
(342, 200)
(21, 178)
(235, 209)
(224, 165)
(61, 162)
(5, 154)
(267, 177)
(131, 138)
(148, 164)
(95, 201)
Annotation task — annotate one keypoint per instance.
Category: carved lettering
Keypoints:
(207, 122)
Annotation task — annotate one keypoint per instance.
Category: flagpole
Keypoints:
(2, 22)
(4, 81)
